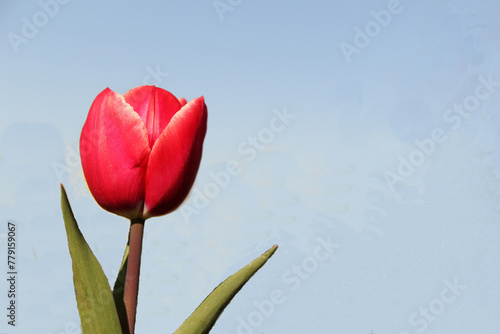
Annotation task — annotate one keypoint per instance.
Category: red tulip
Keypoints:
(141, 151)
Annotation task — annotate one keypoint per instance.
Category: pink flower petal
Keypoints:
(175, 159)
(182, 101)
(115, 151)
(156, 107)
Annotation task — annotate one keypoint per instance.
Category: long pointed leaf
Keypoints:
(93, 294)
(204, 317)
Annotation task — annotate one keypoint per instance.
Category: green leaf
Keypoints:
(204, 317)
(93, 294)
(119, 290)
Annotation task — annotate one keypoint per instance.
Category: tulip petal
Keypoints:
(175, 159)
(182, 101)
(115, 150)
(156, 107)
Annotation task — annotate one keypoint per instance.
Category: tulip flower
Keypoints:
(141, 151)
(140, 154)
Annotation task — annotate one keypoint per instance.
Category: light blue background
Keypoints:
(323, 176)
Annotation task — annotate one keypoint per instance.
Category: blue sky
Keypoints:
(386, 152)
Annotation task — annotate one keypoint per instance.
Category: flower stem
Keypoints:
(133, 269)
